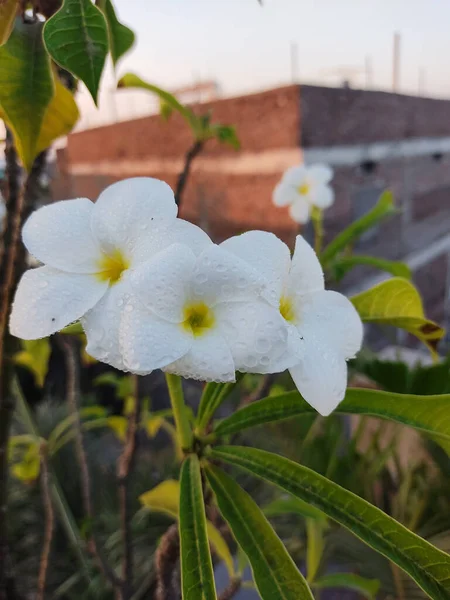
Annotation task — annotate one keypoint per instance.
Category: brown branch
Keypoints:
(193, 151)
(9, 275)
(125, 468)
(49, 524)
(231, 590)
(166, 560)
(72, 399)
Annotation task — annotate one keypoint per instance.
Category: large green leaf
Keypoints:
(121, 37)
(76, 38)
(427, 565)
(165, 498)
(26, 87)
(367, 588)
(430, 414)
(8, 11)
(397, 302)
(197, 577)
(35, 356)
(59, 119)
(343, 264)
(384, 208)
(274, 572)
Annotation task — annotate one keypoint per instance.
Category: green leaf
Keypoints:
(197, 577)
(384, 208)
(76, 38)
(121, 37)
(368, 588)
(73, 329)
(286, 506)
(26, 87)
(343, 264)
(314, 549)
(165, 498)
(225, 134)
(119, 425)
(130, 80)
(8, 11)
(35, 356)
(28, 468)
(59, 120)
(213, 396)
(274, 572)
(427, 565)
(397, 302)
(428, 414)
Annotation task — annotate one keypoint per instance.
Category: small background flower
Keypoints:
(302, 188)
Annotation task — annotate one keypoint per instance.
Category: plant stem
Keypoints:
(184, 430)
(66, 517)
(166, 559)
(72, 400)
(9, 275)
(193, 151)
(317, 220)
(49, 524)
(124, 470)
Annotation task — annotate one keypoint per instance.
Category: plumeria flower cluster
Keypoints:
(303, 189)
(154, 292)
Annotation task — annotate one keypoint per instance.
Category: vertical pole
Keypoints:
(396, 64)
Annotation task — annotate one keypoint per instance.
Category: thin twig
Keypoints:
(193, 151)
(9, 274)
(261, 390)
(166, 559)
(49, 524)
(231, 590)
(125, 468)
(72, 398)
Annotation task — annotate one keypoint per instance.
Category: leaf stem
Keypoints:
(180, 414)
(317, 221)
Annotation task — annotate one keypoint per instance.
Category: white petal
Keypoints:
(163, 283)
(256, 334)
(306, 273)
(320, 173)
(334, 319)
(129, 211)
(321, 377)
(149, 343)
(101, 324)
(294, 176)
(268, 255)
(294, 352)
(220, 276)
(322, 196)
(299, 210)
(60, 236)
(47, 300)
(173, 232)
(284, 194)
(209, 359)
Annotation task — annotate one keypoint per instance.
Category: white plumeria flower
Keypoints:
(324, 328)
(303, 188)
(89, 251)
(200, 317)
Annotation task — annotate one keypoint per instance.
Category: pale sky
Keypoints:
(246, 47)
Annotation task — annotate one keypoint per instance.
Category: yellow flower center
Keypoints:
(304, 188)
(287, 309)
(198, 318)
(111, 266)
